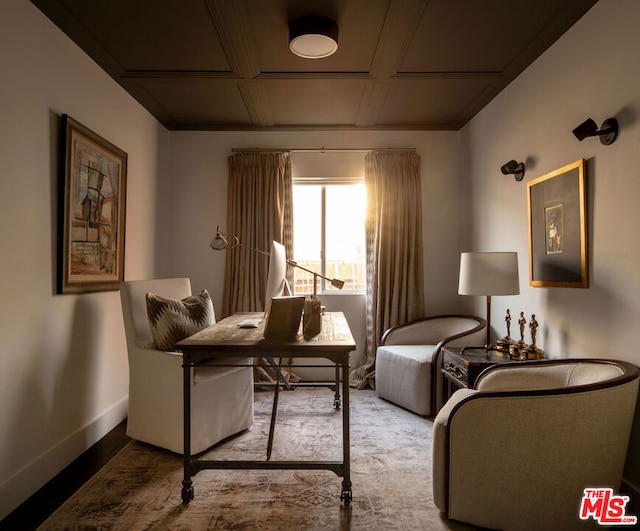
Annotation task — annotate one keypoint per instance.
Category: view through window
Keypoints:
(329, 236)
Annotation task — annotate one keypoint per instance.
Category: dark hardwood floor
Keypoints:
(34, 511)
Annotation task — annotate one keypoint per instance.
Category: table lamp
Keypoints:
(219, 242)
(489, 274)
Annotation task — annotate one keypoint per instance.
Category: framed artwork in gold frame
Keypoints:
(558, 228)
(92, 200)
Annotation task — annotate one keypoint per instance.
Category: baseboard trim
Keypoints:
(322, 370)
(18, 488)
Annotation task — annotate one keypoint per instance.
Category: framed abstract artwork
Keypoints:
(91, 216)
(558, 228)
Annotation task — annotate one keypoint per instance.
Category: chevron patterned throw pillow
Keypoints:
(172, 320)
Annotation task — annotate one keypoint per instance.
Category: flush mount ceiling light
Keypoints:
(313, 37)
(607, 133)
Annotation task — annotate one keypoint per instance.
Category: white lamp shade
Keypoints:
(489, 274)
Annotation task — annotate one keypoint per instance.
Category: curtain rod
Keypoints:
(316, 150)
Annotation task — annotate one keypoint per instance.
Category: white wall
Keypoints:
(63, 366)
(592, 71)
(195, 203)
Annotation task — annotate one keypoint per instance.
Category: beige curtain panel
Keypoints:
(395, 283)
(259, 210)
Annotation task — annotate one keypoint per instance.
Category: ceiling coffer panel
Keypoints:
(474, 36)
(359, 25)
(319, 101)
(199, 101)
(169, 35)
(435, 101)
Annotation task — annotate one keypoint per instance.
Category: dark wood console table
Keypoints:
(226, 339)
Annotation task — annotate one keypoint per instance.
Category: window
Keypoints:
(329, 236)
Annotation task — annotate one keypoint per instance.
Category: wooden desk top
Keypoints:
(227, 337)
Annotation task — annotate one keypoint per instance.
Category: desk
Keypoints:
(226, 339)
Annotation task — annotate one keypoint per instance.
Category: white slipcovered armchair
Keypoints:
(517, 452)
(408, 359)
(221, 397)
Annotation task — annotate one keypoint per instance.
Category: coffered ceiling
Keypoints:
(400, 64)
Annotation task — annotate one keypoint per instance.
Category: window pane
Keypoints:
(345, 237)
(307, 233)
(344, 252)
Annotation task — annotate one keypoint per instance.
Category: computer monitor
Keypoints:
(277, 284)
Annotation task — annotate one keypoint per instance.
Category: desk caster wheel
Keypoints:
(336, 403)
(346, 497)
(187, 494)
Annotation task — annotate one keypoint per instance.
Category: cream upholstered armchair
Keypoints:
(221, 397)
(518, 451)
(408, 359)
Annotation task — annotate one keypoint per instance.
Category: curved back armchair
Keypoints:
(408, 359)
(221, 397)
(518, 451)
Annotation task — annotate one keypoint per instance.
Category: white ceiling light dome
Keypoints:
(313, 37)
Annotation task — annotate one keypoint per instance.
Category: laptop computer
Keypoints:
(283, 321)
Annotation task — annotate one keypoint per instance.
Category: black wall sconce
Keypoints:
(513, 168)
(607, 133)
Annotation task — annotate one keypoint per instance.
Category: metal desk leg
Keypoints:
(336, 400)
(346, 496)
(187, 484)
(274, 410)
(278, 369)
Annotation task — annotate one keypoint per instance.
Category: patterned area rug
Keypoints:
(390, 470)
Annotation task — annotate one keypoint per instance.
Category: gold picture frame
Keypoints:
(558, 228)
(91, 216)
